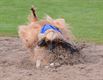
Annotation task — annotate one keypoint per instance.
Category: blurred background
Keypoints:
(84, 16)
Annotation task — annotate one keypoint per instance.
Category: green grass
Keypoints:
(84, 16)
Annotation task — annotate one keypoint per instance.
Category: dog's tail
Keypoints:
(33, 17)
(34, 14)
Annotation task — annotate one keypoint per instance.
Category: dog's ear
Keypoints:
(60, 23)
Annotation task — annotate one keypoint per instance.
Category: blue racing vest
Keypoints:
(49, 27)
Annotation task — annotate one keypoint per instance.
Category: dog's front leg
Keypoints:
(38, 63)
(37, 56)
(41, 56)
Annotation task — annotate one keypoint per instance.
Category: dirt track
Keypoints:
(15, 64)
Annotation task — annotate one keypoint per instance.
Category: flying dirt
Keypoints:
(15, 64)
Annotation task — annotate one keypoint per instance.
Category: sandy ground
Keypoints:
(15, 64)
